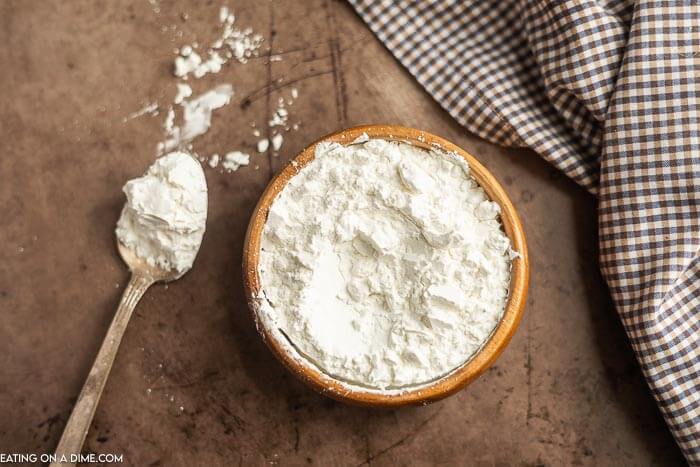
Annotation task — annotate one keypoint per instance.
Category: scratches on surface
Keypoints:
(528, 368)
(268, 86)
(186, 384)
(296, 435)
(358, 38)
(403, 440)
(341, 98)
(276, 85)
(365, 435)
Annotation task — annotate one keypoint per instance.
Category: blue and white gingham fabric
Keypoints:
(609, 92)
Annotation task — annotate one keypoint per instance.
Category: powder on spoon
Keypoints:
(383, 264)
(165, 214)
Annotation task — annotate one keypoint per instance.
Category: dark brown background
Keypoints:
(566, 391)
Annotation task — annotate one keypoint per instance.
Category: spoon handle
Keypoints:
(80, 419)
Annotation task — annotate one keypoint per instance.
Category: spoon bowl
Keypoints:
(140, 266)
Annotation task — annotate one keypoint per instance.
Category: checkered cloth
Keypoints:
(608, 91)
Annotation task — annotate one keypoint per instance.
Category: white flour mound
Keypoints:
(165, 214)
(383, 264)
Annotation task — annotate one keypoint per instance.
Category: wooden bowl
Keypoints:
(453, 381)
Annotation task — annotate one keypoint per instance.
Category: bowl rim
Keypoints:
(447, 384)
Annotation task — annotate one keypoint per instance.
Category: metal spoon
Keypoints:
(142, 277)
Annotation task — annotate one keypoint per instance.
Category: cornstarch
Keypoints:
(165, 214)
(383, 264)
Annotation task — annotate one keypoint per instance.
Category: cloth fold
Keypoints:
(608, 91)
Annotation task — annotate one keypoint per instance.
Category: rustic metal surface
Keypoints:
(192, 382)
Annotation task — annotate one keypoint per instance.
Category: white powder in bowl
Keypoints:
(165, 214)
(383, 264)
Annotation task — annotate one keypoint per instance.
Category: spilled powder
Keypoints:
(196, 117)
(263, 144)
(234, 160)
(232, 43)
(148, 109)
(183, 92)
(276, 141)
(188, 117)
